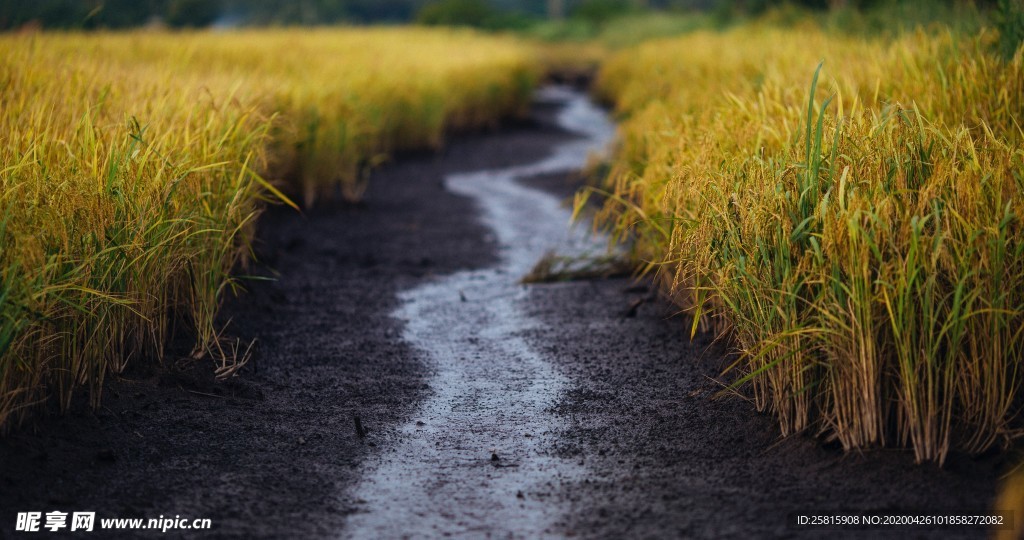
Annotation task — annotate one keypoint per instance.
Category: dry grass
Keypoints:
(133, 166)
(858, 235)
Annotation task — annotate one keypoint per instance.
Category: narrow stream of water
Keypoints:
(491, 391)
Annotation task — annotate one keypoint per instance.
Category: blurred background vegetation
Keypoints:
(548, 19)
(577, 34)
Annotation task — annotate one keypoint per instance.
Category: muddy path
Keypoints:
(489, 408)
(475, 459)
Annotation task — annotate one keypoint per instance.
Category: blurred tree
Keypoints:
(600, 11)
(456, 13)
(556, 9)
(192, 13)
(382, 10)
(107, 13)
(1009, 18)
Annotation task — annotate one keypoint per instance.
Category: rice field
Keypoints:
(134, 165)
(846, 213)
(844, 210)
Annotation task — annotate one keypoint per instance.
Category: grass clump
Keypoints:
(860, 243)
(134, 165)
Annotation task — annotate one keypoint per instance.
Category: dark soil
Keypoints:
(272, 452)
